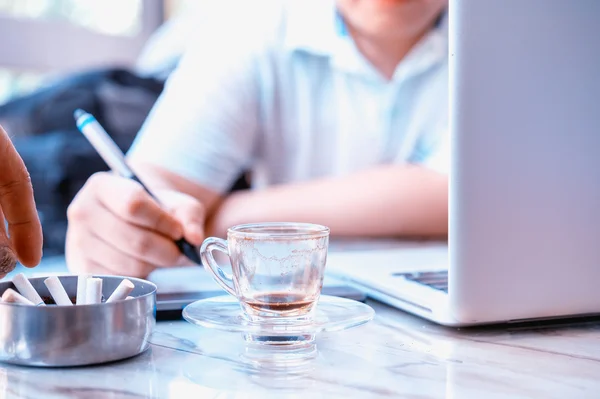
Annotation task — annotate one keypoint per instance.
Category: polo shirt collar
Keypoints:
(427, 53)
(315, 27)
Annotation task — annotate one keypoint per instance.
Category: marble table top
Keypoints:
(394, 356)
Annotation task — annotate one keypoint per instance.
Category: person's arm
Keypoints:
(197, 139)
(396, 200)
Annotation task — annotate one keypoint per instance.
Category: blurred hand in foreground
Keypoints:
(20, 228)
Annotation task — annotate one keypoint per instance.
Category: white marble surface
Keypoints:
(395, 356)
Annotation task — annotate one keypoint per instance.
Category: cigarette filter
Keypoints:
(121, 292)
(57, 291)
(26, 289)
(12, 296)
(93, 291)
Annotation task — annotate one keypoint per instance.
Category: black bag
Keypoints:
(118, 99)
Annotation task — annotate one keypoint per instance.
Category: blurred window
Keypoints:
(55, 37)
(111, 17)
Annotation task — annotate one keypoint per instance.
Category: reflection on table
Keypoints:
(394, 356)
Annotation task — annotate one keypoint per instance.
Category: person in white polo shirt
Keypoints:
(338, 108)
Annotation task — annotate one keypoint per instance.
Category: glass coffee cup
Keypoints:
(277, 268)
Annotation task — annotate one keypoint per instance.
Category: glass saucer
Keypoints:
(331, 314)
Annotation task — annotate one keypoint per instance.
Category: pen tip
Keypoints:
(78, 113)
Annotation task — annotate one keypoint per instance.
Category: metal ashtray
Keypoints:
(60, 336)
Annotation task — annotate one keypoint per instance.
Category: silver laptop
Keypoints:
(524, 239)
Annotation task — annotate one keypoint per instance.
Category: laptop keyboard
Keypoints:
(437, 280)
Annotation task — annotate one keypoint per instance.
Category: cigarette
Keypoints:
(81, 288)
(121, 292)
(57, 291)
(12, 296)
(26, 289)
(93, 291)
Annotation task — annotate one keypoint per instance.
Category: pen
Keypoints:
(115, 159)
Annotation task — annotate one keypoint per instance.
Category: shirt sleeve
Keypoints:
(433, 151)
(205, 123)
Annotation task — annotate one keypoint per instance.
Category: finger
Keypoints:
(3, 234)
(18, 205)
(91, 267)
(88, 266)
(192, 230)
(142, 244)
(102, 257)
(133, 204)
(76, 256)
(184, 261)
(189, 212)
(8, 260)
(118, 262)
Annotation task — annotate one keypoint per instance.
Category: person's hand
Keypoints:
(23, 239)
(115, 227)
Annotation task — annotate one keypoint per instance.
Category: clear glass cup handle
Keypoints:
(225, 280)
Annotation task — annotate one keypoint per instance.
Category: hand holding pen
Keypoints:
(118, 226)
